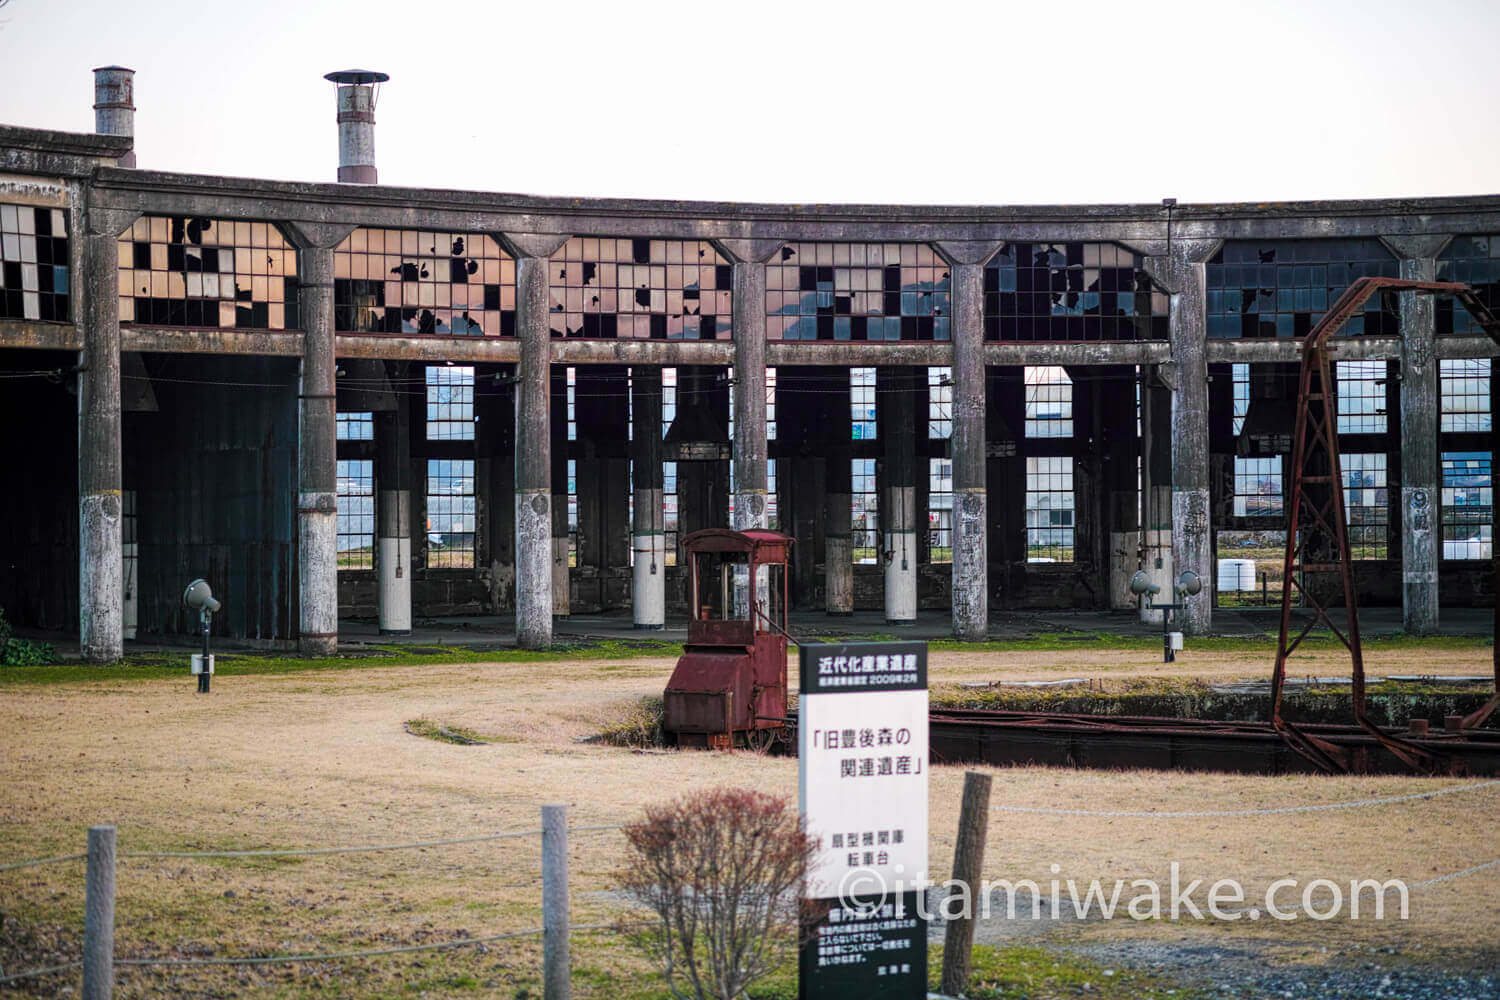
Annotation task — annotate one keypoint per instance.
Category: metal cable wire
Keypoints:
(307, 851)
(35, 862)
(1211, 813)
(34, 973)
(360, 849)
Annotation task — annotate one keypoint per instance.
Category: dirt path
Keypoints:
(317, 759)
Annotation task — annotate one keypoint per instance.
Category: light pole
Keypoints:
(199, 597)
(1187, 585)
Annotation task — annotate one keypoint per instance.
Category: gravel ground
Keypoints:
(1241, 971)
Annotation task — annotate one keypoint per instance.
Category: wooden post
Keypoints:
(99, 915)
(556, 964)
(968, 863)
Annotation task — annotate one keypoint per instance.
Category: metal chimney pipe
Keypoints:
(114, 105)
(356, 92)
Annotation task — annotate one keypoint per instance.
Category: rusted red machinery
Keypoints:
(730, 686)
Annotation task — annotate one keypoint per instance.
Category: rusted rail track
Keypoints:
(1006, 738)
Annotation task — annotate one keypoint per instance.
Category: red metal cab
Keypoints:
(730, 685)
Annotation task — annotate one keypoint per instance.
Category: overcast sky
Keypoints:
(809, 101)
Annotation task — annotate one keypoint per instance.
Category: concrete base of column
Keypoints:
(1158, 550)
(318, 564)
(649, 580)
(838, 574)
(1419, 560)
(901, 578)
(971, 609)
(750, 511)
(534, 569)
(393, 559)
(1192, 549)
(101, 634)
(562, 587)
(1124, 560)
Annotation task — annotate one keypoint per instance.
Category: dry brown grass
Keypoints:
(318, 759)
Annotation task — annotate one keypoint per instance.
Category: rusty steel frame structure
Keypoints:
(1317, 543)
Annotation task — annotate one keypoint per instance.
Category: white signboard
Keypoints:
(863, 763)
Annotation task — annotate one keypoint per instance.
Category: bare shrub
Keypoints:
(721, 869)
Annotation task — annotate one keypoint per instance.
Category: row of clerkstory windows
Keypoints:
(203, 272)
(450, 482)
(1259, 482)
(1466, 499)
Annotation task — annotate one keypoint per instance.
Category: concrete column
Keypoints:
(1421, 542)
(838, 541)
(317, 467)
(971, 612)
(749, 323)
(648, 532)
(898, 508)
(100, 580)
(393, 544)
(533, 457)
(1192, 538)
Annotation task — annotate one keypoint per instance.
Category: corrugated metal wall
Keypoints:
(215, 471)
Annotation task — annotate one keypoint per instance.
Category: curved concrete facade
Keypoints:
(972, 474)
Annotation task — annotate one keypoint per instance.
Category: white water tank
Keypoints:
(1236, 575)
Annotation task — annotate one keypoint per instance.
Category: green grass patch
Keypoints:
(1031, 973)
(640, 726)
(427, 729)
(1053, 641)
(174, 664)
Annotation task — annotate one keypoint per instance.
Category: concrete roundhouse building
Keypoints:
(351, 400)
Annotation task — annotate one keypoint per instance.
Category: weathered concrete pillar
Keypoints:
(1185, 277)
(1421, 542)
(750, 501)
(101, 592)
(533, 441)
(648, 532)
(393, 543)
(838, 540)
(971, 612)
(317, 465)
(898, 508)
(751, 507)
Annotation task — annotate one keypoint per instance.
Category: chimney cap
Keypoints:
(356, 76)
(120, 69)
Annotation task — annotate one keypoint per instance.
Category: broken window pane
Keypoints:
(1474, 260)
(640, 289)
(209, 273)
(1281, 288)
(857, 292)
(1071, 291)
(406, 281)
(34, 256)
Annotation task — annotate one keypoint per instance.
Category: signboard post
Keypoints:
(862, 753)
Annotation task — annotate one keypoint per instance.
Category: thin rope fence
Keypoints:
(37, 862)
(1224, 813)
(294, 852)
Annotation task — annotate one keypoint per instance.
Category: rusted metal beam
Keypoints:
(1316, 517)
